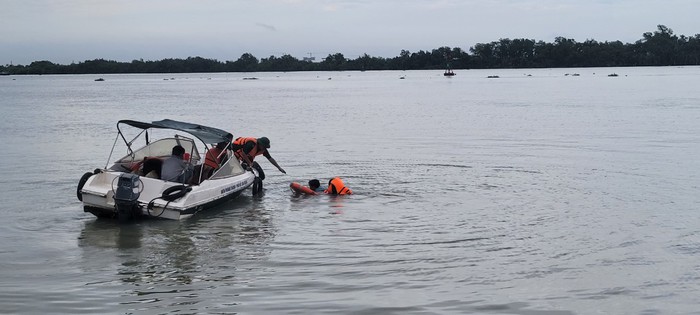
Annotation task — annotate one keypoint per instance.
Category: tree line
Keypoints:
(659, 48)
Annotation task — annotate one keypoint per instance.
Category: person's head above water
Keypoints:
(314, 184)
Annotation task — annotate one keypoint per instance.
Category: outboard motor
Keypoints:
(126, 196)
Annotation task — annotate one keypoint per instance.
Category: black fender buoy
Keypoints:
(81, 183)
(175, 192)
(257, 186)
(261, 173)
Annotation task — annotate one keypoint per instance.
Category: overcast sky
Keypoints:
(65, 31)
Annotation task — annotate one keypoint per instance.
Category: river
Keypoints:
(541, 191)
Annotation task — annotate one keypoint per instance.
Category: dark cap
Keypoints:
(264, 142)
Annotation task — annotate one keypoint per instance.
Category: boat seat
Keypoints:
(152, 165)
(198, 169)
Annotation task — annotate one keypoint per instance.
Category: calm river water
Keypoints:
(536, 192)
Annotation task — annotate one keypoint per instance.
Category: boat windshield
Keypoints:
(231, 168)
(163, 148)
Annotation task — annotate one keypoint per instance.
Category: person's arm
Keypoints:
(247, 161)
(244, 153)
(272, 160)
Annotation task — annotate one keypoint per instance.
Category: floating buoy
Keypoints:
(296, 187)
(175, 192)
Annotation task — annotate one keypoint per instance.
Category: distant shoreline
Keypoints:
(660, 48)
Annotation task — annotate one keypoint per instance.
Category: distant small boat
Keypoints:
(448, 66)
(493, 77)
(402, 77)
(250, 78)
(99, 79)
(613, 75)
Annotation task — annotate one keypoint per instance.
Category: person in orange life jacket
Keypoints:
(337, 187)
(246, 149)
(212, 160)
(216, 155)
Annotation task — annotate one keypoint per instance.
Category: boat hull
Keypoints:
(98, 196)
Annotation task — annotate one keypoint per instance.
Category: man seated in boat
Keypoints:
(175, 168)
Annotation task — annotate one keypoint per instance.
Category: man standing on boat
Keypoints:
(246, 149)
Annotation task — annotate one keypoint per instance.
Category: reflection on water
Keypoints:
(173, 263)
(109, 234)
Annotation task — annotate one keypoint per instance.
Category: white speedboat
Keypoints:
(130, 187)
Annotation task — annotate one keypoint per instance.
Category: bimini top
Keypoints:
(204, 133)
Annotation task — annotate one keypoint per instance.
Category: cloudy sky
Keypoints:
(65, 31)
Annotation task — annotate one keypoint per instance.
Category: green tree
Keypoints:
(660, 47)
(246, 63)
(334, 62)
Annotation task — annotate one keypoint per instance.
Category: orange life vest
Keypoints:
(337, 187)
(241, 141)
(212, 157)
